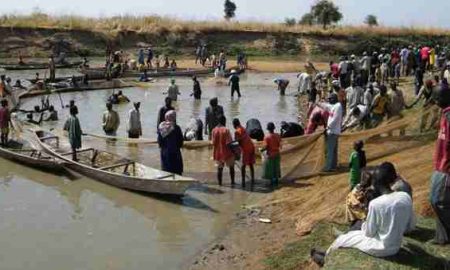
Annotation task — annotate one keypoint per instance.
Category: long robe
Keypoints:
(171, 158)
(390, 217)
(72, 126)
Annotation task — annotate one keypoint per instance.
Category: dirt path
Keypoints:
(300, 205)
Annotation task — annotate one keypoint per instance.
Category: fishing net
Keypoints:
(304, 157)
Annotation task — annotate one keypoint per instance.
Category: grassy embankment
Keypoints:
(416, 253)
(37, 34)
(321, 212)
(314, 207)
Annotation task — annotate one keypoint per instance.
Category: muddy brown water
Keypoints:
(61, 222)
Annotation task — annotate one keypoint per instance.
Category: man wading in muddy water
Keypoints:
(110, 120)
(212, 116)
(234, 82)
(222, 154)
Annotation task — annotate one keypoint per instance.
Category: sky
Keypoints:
(389, 12)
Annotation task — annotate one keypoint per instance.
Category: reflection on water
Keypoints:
(259, 100)
(52, 222)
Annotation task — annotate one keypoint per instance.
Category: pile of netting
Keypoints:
(304, 157)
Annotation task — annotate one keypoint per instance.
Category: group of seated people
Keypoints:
(379, 210)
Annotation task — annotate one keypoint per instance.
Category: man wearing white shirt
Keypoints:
(304, 84)
(358, 116)
(390, 216)
(343, 70)
(333, 131)
(354, 95)
(134, 122)
(404, 54)
(447, 72)
(365, 68)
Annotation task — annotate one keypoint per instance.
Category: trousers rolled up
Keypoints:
(331, 158)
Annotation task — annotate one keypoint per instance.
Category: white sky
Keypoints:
(433, 13)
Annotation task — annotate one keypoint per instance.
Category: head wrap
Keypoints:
(166, 127)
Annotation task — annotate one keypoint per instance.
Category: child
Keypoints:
(4, 122)
(358, 199)
(357, 162)
(272, 146)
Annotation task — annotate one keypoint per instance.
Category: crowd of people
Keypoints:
(353, 94)
(379, 207)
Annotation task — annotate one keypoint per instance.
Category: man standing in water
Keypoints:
(440, 181)
(150, 57)
(173, 92)
(4, 122)
(234, 82)
(222, 154)
(197, 90)
(247, 149)
(134, 122)
(212, 116)
(73, 128)
(110, 121)
(52, 68)
(163, 110)
(282, 85)
(333, 131)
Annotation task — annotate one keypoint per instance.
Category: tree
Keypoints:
(307, 19)
(290, 21)
(229, 9)
(326, 13)
(371, 20)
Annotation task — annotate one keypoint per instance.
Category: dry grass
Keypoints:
(157, 24)
(322, 198)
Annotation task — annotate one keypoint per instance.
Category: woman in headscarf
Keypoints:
(170, 140)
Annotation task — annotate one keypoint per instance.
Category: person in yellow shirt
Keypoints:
(432, 58)
(380, 106)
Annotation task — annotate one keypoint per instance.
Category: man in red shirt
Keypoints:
(440, 181)
(318, 117)
(247, 149)
(334, 69)
(425, 56)
(222, 154)
(272, 146)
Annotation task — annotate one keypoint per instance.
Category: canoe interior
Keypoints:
(25, 149)
(105, 161)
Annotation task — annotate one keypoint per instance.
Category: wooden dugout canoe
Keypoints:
(25, 154)
(92, 85)
(99, 73)
(33, 66)
(115, 170)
